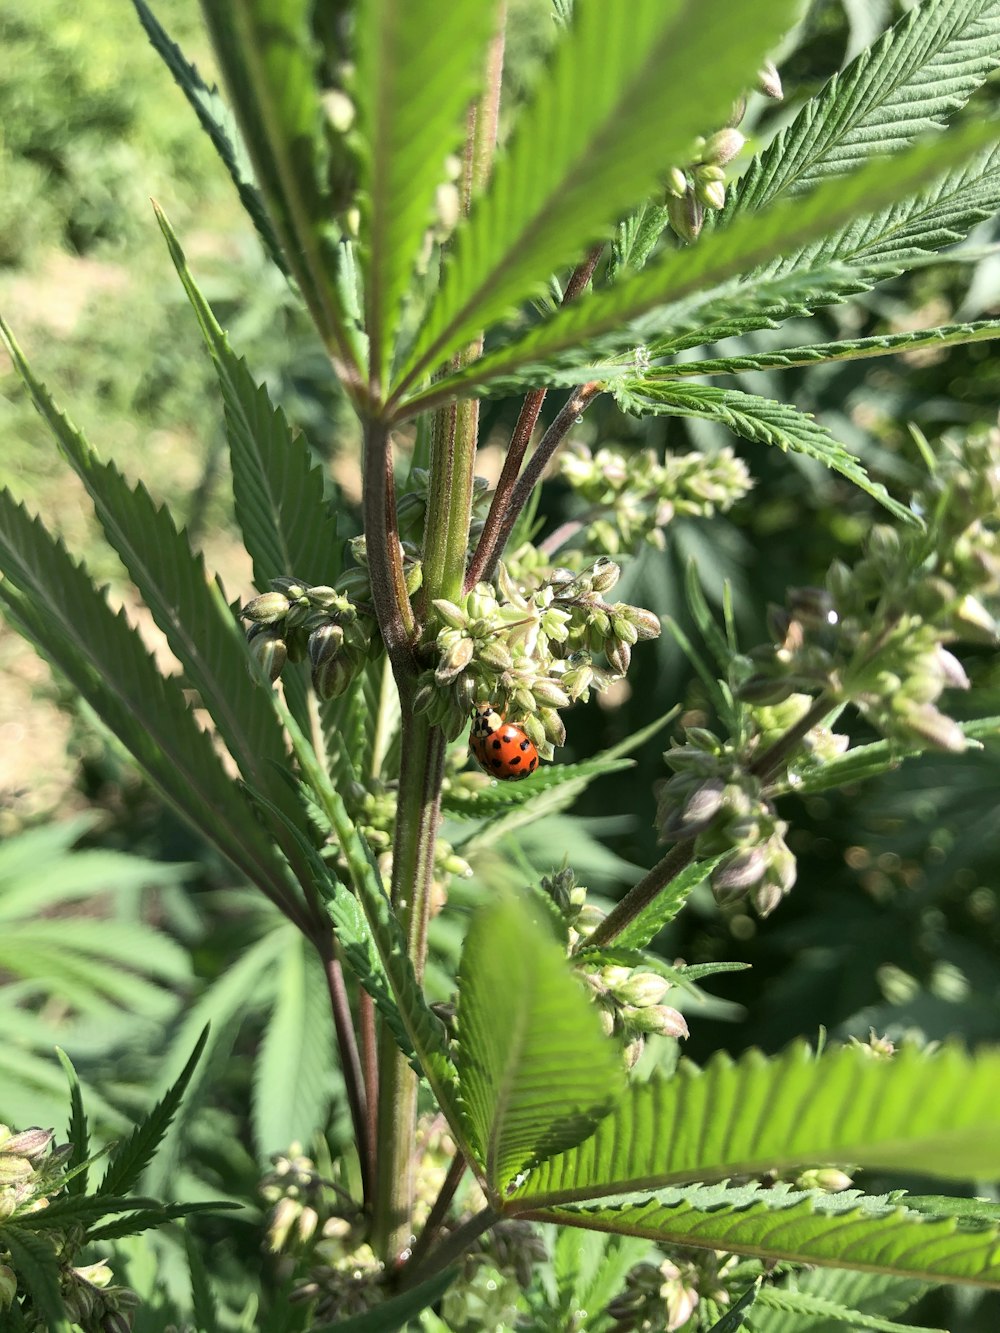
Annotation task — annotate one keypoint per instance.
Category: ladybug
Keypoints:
(500, 748)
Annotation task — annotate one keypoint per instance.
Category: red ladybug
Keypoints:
(501, 749)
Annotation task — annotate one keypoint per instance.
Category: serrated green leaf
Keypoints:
(907, 84)
(694, 277)
(535, 1069)
(664, 907)
(856, 349)
(217, 121)
(863, 1293)
(292, 1072)
(816, 1311)
(148, 1219)
(420, 65)
(286, 521)
(37, 1267)
(77, 1134)
(396, 1312)
(271, 67)
(52, 600)
(869, 761)
(804, 1227)
(129, 1158)
(936, 1113)
(582, 151)
(758, 419)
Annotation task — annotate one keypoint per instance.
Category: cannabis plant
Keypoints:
(621, 230)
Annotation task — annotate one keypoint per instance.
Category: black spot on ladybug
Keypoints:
(496, 763)
(526, 744)
(498, 745)
(515, 759)
(533, 765)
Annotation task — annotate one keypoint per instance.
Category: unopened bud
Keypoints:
(547, 691)
(642, 989)
(267, 609)
(645, 623)
(452, 615)
(31, 1143)
(659, 1020)
(604, 575)
(686, 216)
(935, 727)
(454, 660)
(739, 872)
(723, 147)
(269, 650)
(8, 1286)
(677, 183)
(826, 1178)
(769, 81)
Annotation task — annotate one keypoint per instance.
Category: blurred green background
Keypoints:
(895, 922)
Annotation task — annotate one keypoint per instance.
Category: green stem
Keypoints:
(417, 816)
(385, 564)
(642, 894)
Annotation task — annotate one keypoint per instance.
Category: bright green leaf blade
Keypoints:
(856, 349)
(758, 419)
(934, 1113)
(129, 1158)
(292, 1075)
(286, 520)
(906, 85)
(628, 89)
(217, 121)
(723, 256)
(34, 1260)
(535, 1069)
(420, 64)
(783, 1224)
(271, 67)
(78, 1134)
(53, 602)
(397, 1312)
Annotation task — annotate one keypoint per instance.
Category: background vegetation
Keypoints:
(895, 924)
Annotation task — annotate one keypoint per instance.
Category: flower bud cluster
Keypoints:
(629, 1003)
(715, 800)
(633, 496)
(308, 1221)
(530, 650)
(295, 622)
(701, 184)
(32, 1170)
(875, 635)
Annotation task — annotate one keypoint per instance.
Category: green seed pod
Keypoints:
(325, 644)
(658, 1020)
(452, 615)
(267, 609)
(769, 82)
(604, 575)
(723, 146)
(495, 655)
(549, 692)
(738, 873)
(269, 650)
(676, 183)
(642, 989)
